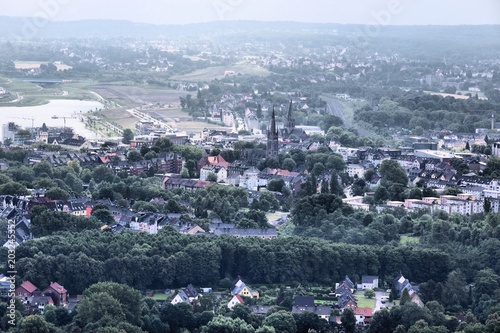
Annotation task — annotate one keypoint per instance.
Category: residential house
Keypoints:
(346, 283)
(25, 291)
(38, 303)
(181, 297)
(219, 171)
(59, 293)
(251, 180)
(347, 300)
(191, 292)
(306, 304)
(186, 295)
(355, 170)
(4, 286)
(188, 184)
(344, 292)
(368, 282)
(261, 309)
(237, 299)
(213, 161)
(401, 283)
(363, 316)
(240, 288)
(73, 208)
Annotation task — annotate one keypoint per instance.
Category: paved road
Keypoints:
(378, 300)
(336, 108)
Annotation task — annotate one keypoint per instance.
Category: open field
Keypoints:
(160, 297)
(117, 98)
(130, 95)
(31, 94)
(445, 95)
(195, 126)
(18, 85)
(122, 118)
(174, 112)
(217, 72)
(364, 302)
(118, 116)
(193, 58)
(36, 64)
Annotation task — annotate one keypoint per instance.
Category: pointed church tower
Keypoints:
(272, 139)
(290, 122)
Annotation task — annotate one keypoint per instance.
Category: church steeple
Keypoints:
(272, 139)
(290, 110)
(290, 122)
(273, 123)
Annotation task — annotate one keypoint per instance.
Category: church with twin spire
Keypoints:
(272, 147)
(286, 132)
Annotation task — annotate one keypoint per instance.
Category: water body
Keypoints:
(29, 116)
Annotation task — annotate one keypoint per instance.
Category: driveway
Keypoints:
(378, 300)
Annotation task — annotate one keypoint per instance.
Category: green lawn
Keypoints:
(408, 240)
(160, 297)
(210, 73)
(365, 302)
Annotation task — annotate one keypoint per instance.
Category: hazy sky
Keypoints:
(323, 11)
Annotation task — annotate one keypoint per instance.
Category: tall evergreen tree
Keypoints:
(335, 187)
(324, 186)
(405, 297)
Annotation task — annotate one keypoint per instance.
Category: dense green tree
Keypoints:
(289, 164)
(241, 311)
(127, 136)
(348, 320)
(101, 309)
(335, 187)
(411, 313)
(381, 322)
(102, 174)
(129, 299)
(34, 324)
(307, 321)
(74, 183)
(282, 321)
(265, 329)
(227, 325)
(13, 188)
(103, 215)
(43, 167)
(178, 316)
(134, 156)
(59, 316)
(369, 293)
(276, 185)
(391, 172)
(163, 145)
(405, 297)
(57, 193)
(381, 194)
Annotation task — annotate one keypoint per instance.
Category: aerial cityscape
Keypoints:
(250, 167)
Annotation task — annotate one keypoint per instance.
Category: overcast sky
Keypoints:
(322, 11)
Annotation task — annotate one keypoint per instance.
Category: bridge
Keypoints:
(42, 81)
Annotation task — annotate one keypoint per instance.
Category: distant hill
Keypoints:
(27, 27)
